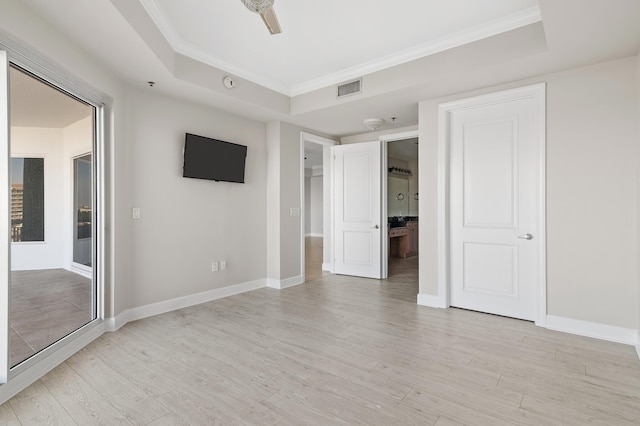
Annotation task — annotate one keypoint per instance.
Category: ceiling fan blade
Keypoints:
(271, 21)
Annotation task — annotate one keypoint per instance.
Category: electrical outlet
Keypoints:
(214, 266)
(223, 265)
(135, 212)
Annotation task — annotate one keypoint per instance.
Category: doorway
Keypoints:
(493, 152)
(53, 198)
(315, 230)
(402, 210)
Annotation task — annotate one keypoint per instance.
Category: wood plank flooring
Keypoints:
(313, 258)
(337, 350)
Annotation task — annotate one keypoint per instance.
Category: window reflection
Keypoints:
(27, 199)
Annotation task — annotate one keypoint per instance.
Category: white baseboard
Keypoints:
(611, 333)
(35, 371)
(113, 324)
(286, 283)
(430, 301)
(327, 267)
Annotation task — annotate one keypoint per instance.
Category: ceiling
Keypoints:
(326, 42)
(406, 150)
(36, 104)
(405, 51)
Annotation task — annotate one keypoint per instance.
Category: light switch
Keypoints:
(135, 212)
(294, 211)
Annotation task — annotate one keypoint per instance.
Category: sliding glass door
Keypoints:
(82, 213)
(49, 255)
(4, 217)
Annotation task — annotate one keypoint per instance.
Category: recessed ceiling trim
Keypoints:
(162, 22)
(491, 28)
(495, 27)
(182, 47)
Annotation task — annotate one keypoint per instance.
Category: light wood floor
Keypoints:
(337, 350)
(402, 282)
(313, 259)
(46, 305)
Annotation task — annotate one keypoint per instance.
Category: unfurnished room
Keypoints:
(290, 212)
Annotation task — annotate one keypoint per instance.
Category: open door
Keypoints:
(357, 209)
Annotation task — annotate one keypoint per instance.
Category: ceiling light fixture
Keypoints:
(264, 8)
(258, 6)
(373, 124)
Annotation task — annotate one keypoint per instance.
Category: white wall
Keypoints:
(78, 140)
(316, 206)
(313, 205)
(414, 188)
(395, 205)
(17, 20)
(47, 143)
(638, 202)
(284, 192)
(58, 147)
(592, 143)
(307, 204)
(396, 185)
(188, 223)
(374, 136)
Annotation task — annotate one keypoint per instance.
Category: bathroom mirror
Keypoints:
(397, 196)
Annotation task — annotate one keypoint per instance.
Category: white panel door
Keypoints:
(358, 226)
(495, 197)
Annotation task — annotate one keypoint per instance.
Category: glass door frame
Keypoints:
(5, 219)
(80, 268)
(14, 379)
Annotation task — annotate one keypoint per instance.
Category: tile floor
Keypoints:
(46, 305)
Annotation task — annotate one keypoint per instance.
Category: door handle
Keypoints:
(526, 237)
(376, 227)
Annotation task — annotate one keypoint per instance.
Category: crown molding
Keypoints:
(495, 27)
(469, 35)
(180, 46)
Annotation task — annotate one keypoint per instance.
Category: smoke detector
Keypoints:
(228, 82)
(373, 124)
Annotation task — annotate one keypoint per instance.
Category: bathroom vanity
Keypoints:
(403, 236)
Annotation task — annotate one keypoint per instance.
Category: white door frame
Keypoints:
(32, 369)
(5, 208)
(536, 92)
(385, 139)
(327, 201)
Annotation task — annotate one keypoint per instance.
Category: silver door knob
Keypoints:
(526, 237)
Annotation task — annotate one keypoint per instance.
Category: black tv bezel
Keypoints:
(207, 139)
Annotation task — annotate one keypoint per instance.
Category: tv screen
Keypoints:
(206, 158)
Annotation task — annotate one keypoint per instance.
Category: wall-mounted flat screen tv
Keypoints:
(213, 159)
